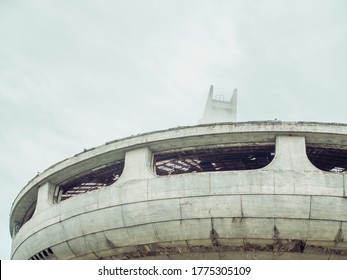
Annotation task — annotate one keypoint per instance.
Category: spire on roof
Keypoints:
(218, 109)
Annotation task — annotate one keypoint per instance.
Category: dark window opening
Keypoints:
(327, 159)
(27, 216)
(43, 255)
(94, 180)
(214, 159)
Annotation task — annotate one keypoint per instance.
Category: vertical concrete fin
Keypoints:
(210, 94)
(137, 165)
(208, 111)
(291, 155)
(234, 105)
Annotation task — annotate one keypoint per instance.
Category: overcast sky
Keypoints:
(76, 74)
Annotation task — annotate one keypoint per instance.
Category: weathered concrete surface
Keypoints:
(137, 165)
(249, 133)
(287, 210)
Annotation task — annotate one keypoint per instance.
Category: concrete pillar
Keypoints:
(291, 155)
(45, 197)
(137, 165)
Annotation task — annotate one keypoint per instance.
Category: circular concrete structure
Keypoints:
(253, 190)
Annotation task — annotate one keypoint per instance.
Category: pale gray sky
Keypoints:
(76, 74)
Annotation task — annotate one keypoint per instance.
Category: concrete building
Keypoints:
(251, 190)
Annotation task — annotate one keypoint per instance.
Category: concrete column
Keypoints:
(137, 165)
(45, 197)
(291, 155)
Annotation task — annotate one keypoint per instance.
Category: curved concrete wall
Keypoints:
(289, 209)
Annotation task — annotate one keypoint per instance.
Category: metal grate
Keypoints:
(216, 159)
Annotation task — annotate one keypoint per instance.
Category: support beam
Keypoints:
(291, 155)
(45, 196)
(137, 165)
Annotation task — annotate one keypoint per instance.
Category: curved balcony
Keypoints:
(255, 203)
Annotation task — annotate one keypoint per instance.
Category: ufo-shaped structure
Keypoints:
(220, 190)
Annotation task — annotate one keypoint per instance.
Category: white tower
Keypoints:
(218, 109)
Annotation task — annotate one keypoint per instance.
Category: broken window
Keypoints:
(213, 159)
(27, 216)
(95, 179)
(327, 159)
